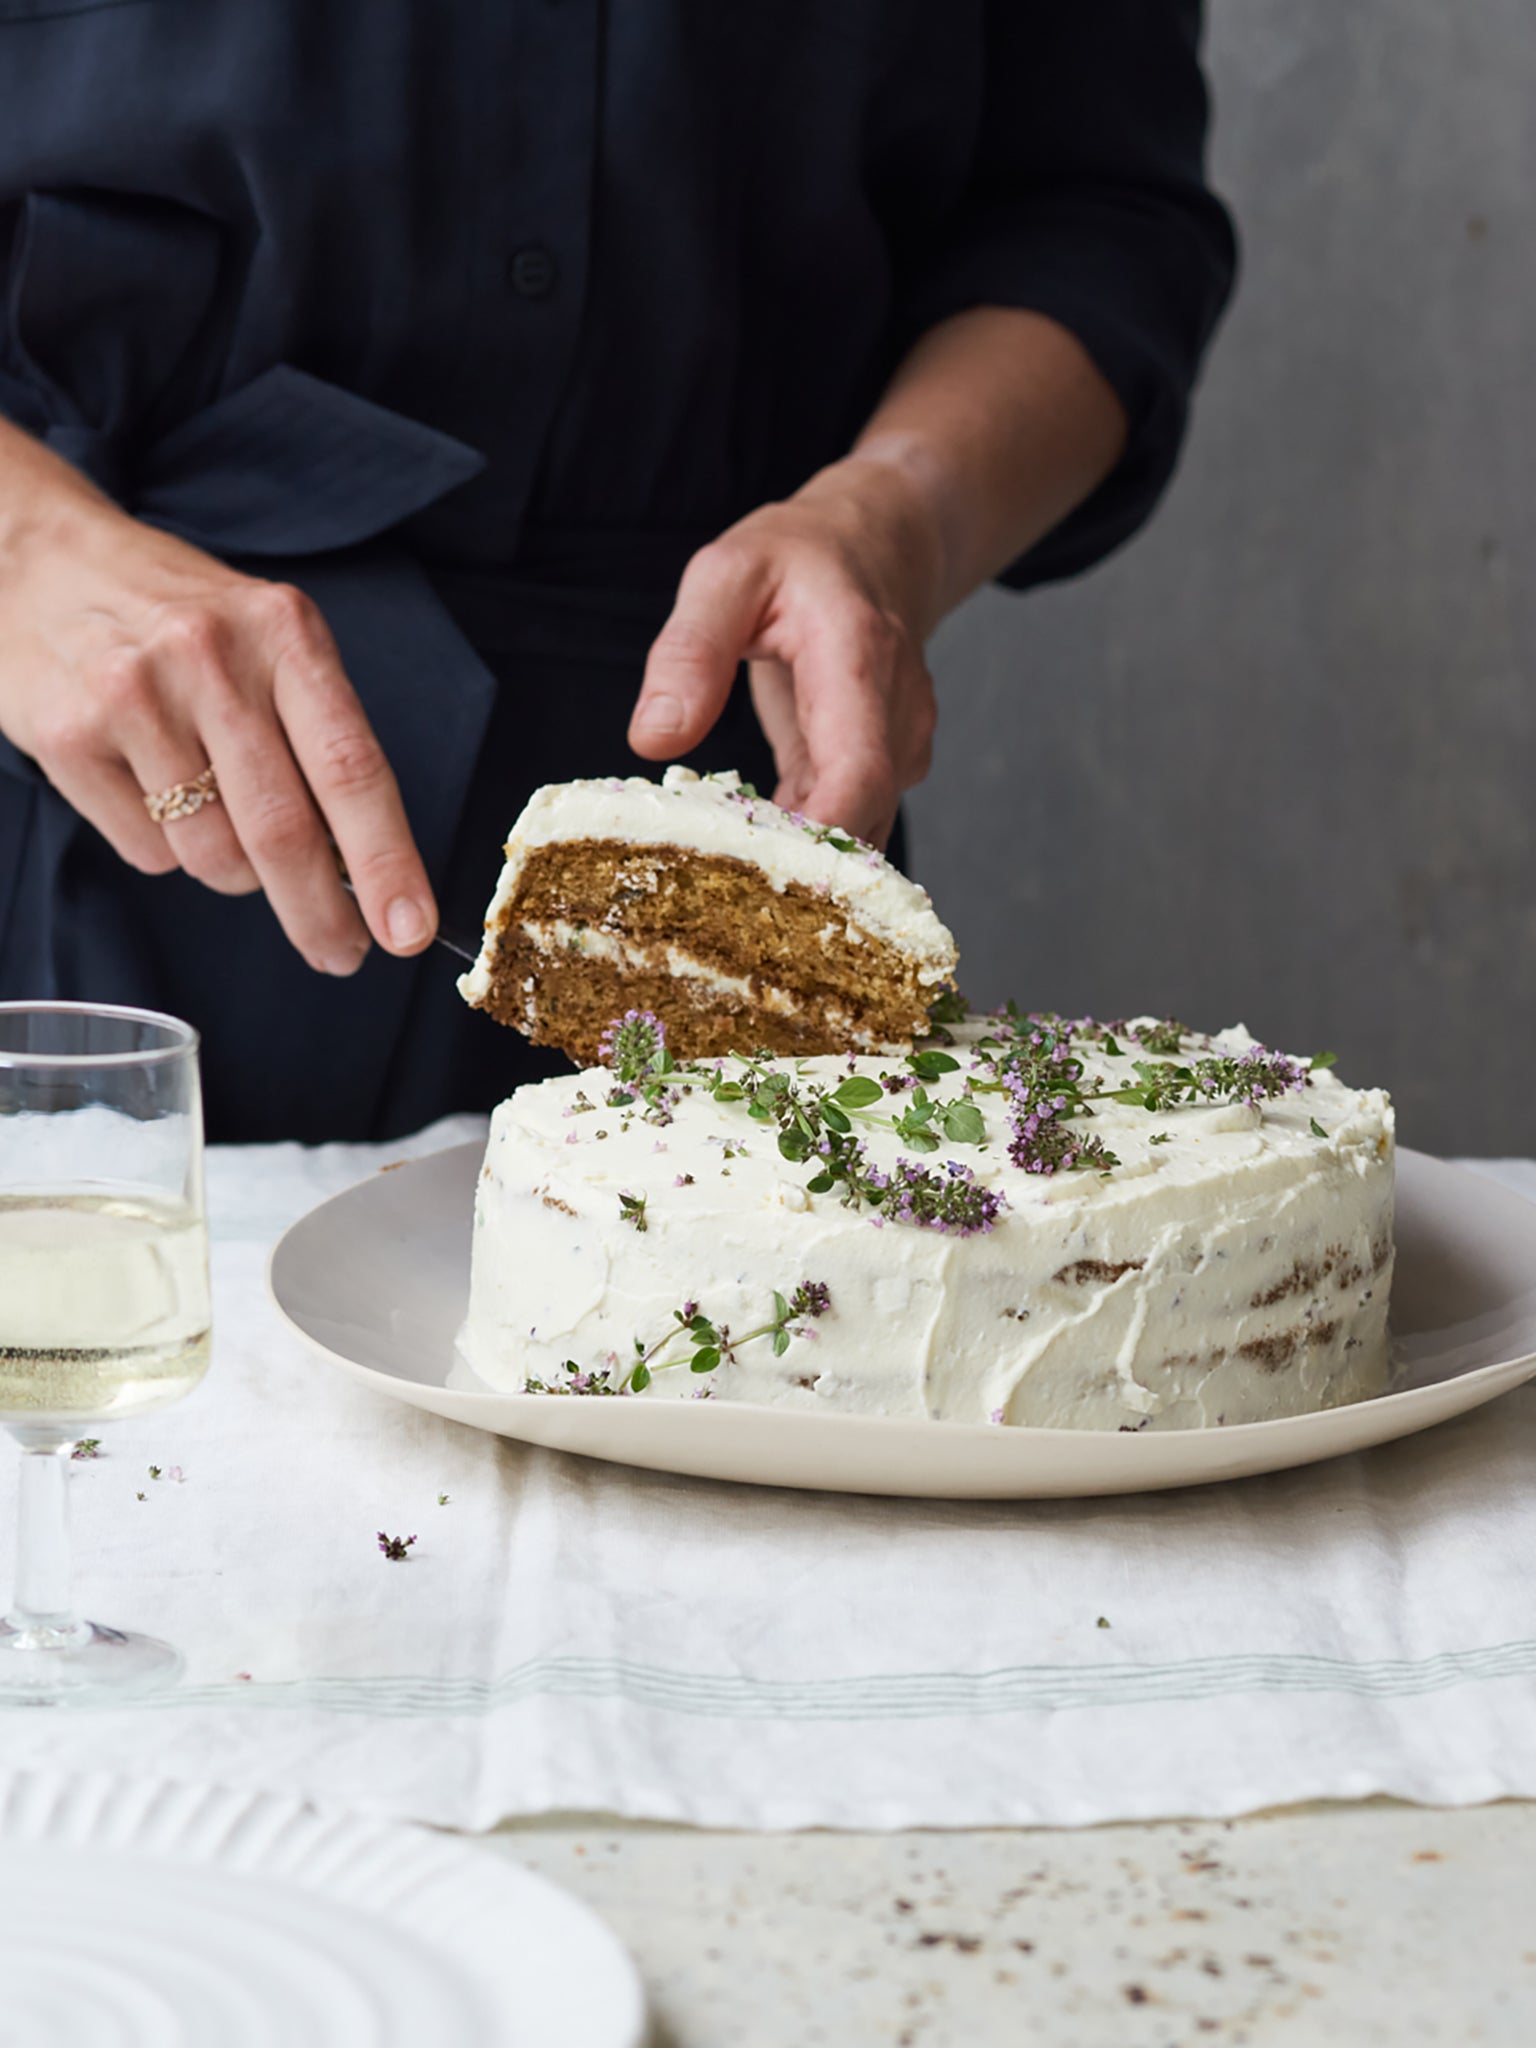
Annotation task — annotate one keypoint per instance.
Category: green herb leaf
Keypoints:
(794, 1143)
(916, 1117)
(823, 1184)
(1322, 1059)
(729, 1091)
(640, 1378)
(834, 1118)
(963, 1123)
(780, 1309)
(780, 1343)
(704, 1361)
(928, 1066)
(1317, 1129)
(858, 1091)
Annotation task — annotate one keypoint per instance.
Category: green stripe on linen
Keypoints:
(1015, 1689)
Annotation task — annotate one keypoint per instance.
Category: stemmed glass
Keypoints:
(104, 1308)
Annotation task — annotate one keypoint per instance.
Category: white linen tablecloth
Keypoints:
(571, 1635)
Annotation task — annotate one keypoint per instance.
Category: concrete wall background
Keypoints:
(1275, 761)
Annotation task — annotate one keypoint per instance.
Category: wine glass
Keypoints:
(104, 1307)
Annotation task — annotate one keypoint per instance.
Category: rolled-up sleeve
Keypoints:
(1089, 205)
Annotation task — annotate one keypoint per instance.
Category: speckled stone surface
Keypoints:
(1347, 1925)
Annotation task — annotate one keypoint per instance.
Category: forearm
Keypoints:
(42, 497)
(993, 429)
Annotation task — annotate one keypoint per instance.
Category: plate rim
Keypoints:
(305, 1845)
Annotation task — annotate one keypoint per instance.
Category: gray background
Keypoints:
(1273, 762)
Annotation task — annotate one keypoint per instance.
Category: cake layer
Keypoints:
(739, 924)
(1233, 1263)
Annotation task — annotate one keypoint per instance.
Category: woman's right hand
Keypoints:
(131, 661)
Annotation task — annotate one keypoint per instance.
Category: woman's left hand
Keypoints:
(828, 597)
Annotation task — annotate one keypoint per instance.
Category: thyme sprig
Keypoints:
(1163, 1036)
(635, 1046)
(948, 1007)
(708, 1342)
(816, 1124)
(840, 842)
(1042, 1076)
(1254, 1076)
(1035, 1063)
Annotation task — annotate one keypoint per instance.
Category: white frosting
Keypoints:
(1243, 1228)
(711, 814)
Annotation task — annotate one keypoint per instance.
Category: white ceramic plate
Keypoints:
(377, 1279)
(152, 1915)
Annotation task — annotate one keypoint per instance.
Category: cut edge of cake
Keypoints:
(739, 924)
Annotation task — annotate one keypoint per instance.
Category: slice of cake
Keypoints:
(1029, 1220)
(739, 924)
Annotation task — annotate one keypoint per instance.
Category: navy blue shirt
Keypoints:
(475, 318)
(652, 258)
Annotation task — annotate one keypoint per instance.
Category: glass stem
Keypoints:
(40, 1604)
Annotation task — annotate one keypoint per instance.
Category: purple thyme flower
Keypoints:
(810, 1298)
(633, 1043)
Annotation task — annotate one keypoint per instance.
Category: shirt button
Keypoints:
(533, 271)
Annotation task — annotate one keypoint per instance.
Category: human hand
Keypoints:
(130, 661)
(828, 598)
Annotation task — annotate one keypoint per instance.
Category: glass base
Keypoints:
(78, 1663)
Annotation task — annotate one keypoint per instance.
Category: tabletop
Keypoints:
(1354, 1925)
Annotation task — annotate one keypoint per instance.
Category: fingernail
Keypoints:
(661, 714)
(406, 922)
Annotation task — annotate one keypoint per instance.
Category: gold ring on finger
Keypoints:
(183, 799)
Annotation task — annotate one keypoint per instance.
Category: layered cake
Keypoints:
(1027, 1220)
(737, 923)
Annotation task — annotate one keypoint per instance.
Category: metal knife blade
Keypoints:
(451, 941)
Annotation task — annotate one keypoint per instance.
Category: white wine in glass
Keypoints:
(104, 1309)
